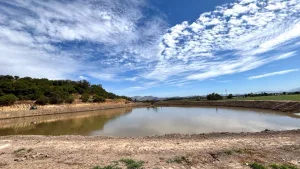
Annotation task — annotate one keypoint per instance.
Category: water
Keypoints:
(151, 121)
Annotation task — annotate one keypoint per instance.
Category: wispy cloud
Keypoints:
(118, 41)
(273, 74)
(61, 39)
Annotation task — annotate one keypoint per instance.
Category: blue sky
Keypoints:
(155, 47)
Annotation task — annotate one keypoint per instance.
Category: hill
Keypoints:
(295, 90)
(144, 98)
(45, 91)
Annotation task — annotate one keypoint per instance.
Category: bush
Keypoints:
(57, 95)
(132, 164)
(85, 97)
(214, 96)
(43, 100)
(1, 93)
(7, 100)
(257, 166)
(69, 99)
(230, 96)
(98, 99)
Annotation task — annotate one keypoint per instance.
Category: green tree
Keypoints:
(230, 96)
(98, 90)
(98, 99)
(57, 95)
(1, 93)
(70, 99)
(7, 87)
(43, 100)
(214, 96)
(85, 97)
(16, 77)
(58, 91)
(8, 99)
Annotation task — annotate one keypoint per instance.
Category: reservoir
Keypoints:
(131, 122)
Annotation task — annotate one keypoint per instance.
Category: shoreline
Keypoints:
(288, 107)
(211, 151)
(64, 109)
(22, 110)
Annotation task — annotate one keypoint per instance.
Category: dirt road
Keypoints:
(217, 150)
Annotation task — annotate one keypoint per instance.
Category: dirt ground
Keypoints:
(216, 150)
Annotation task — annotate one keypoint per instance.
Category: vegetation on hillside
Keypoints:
(44, 91)
(214, 96)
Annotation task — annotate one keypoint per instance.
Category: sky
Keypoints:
(161, 48)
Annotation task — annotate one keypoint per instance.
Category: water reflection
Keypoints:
(65, 124)
(152, 121)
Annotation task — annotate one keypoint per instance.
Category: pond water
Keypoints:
(151, 121)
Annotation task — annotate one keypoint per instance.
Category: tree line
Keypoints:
(44, 91)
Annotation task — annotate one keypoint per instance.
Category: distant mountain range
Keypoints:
(144, 98)
(295, 90)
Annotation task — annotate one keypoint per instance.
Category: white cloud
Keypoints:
(83, 78)
(106, 39)
(286, 55)
(239, 36)
(61, 39)
(273, 74)
(103, 76)
(131, 79)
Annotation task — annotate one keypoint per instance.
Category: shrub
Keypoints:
(257, 166)
(70, 99)
(43, 100)
(107, 167)
(7, 100)
(132, 164)
(85, 97)
(98, 99)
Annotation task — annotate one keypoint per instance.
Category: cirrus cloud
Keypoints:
(273, 74)
(119, 41)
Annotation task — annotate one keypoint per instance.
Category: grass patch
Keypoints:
(227, 152)
(283, 166)
(107, 167)
(132, 164)
(232, 151)
(257, 166)
(19, 150)
(129, 163)
(179, 160)
(279, 97)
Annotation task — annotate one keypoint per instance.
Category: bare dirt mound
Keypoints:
(215, 150)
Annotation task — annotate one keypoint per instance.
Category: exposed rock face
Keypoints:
(283, 106)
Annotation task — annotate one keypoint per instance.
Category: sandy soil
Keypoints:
(216, 150)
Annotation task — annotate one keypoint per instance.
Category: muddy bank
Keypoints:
(23, 110)
(282, 106)
(209, 151)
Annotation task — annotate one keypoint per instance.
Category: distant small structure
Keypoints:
(33, 108)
